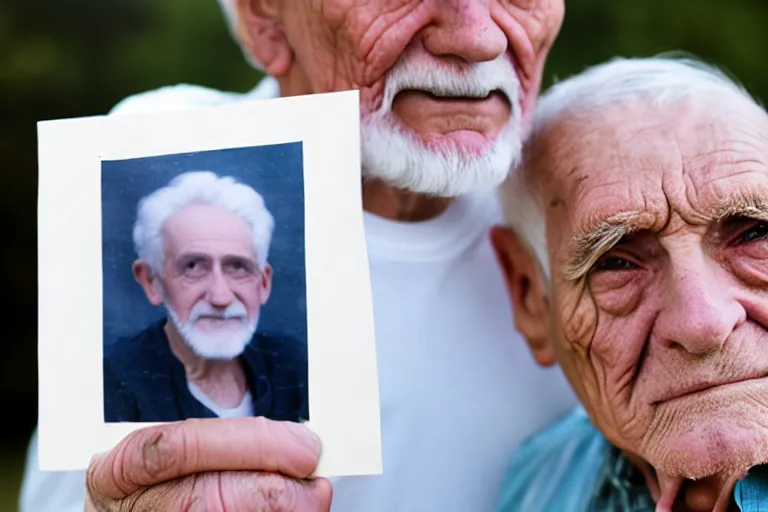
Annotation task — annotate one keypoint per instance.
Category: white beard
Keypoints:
(227, 344)
(398, 157)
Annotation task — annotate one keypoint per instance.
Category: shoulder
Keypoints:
(284, 349)
(187, 96)
(285, 365)
(284, 359)
(138, 353)
(127, 344)
(556, 468)
(175, 97)
(49, 490)
(136, 374)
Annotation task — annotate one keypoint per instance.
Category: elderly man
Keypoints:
(447, 90)
(202, 243)
(638, 260)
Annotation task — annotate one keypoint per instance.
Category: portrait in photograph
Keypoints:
(204, 286)
(206, 264)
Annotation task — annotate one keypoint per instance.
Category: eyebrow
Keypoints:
(750, 203)
(587, 247)
(228, 258)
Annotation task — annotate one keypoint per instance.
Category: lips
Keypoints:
(703, 388)
(212, 318)
(480, 109)
(447, 96)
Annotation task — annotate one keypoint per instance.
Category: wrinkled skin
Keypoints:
(209, 256)
(343, 45)
(195, 466)
(209, 260)
(315, 46)
(664, 337)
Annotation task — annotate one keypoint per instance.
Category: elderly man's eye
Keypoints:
(757, 233)
(193, 267)
(239, 268)
(613, 263)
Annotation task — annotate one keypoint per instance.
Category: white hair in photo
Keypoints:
(661, 80)
(199, 187)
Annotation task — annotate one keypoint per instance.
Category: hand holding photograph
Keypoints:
(206, 264)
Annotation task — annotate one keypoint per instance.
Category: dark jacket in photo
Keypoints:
(145, 382)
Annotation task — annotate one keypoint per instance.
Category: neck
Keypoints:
(677, 494)
(401, 205)
(223, 381)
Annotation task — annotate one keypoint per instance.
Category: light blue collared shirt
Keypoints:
(570, 467)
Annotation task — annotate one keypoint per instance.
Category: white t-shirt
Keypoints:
(242, 410)
(459, 389)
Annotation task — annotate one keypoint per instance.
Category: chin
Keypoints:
(217, 346)
(214, 342)
(447, 168)
(725, 443)
(222, 344)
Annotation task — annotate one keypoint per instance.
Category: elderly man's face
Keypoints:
(657, 226)
(444, 83)
(211, 282)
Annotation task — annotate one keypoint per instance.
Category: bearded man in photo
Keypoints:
(202, 243)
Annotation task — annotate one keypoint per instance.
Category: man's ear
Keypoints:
(144, 276)
(260, 31)
(266, 283)
(527, 291)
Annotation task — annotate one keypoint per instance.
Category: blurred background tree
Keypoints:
(79, 57)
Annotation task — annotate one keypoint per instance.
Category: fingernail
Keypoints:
(306, 436)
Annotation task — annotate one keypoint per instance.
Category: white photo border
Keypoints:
(343, 376)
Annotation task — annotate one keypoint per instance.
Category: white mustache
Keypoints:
(236, 310)
(476, 80)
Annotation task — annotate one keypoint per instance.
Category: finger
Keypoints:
(157, 454)
(235, 492)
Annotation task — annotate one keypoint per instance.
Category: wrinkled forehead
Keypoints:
(642, 157)
(205, 222)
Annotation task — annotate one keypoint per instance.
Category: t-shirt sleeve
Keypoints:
(173, 97)
(43, 491)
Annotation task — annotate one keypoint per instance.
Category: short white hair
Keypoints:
(229, 7)
(660, 80)
(199, 187)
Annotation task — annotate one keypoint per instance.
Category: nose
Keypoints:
(220, 294)
(464, 29)
(698, 312)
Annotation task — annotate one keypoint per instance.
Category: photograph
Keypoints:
(202, 264)
(493, 255)
(205, 286)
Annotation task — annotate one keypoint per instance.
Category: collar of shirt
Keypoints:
(620, 486)
(751, 493)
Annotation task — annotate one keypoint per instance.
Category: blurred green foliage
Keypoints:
(79, 57)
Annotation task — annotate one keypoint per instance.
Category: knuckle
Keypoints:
(209, 493)
(162, 453)
(264, 430)
(274, 494)
(261, 424)
(280, 494)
